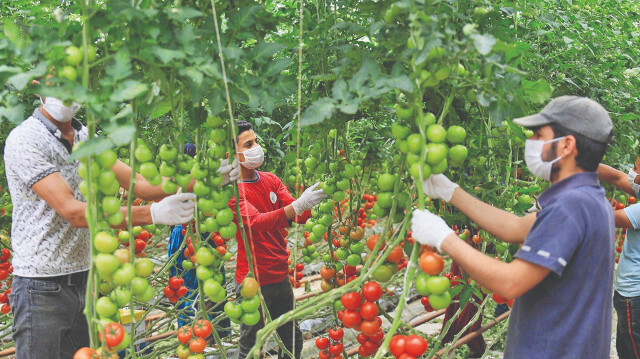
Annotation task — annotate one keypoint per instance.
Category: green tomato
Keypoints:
(415, 143)
(437, 152)
(116, 218)
(458, 153)
(73, 55)
(382, 274)
(212, 288)
(251, 305)
(124, 275)
(436, 133)
(168, 153)
(143, 267)
(438, 302)
(107, 158)
(354, 259)
(251, 318)
(105, 307)
(187, 264)
(124, 236)
(139, 285)
(386, 181)
(121, 296)
(110, 205)
(421, 283)
(341, 254)
(106, 264)
(437, 284)
(233, 310)
(224, 217)
(143, 153)
(105, 242)
(69, 73)
(456, 134)
(203, 273)
(228, 231)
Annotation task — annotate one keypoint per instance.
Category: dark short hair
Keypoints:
(590, 152)
(242, 126)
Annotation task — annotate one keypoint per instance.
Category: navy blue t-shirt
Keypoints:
(568, 314)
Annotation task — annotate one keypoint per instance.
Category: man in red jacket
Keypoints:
(267, 208)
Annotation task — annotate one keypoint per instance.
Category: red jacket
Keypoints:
(262, 205)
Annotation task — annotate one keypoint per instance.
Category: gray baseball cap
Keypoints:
(578, 114)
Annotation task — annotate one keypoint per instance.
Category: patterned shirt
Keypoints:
(44, 243)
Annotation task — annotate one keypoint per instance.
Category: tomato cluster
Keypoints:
(175, 290)
(192, 339)
(141, 235)
(245, 311)
(430, 284)
(6, 269)
(331, 349)
(408, 347)
(295, 274)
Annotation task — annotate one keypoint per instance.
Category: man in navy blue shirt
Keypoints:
(562, 276)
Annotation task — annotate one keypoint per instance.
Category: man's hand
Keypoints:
(175, 209)
(309, 198)
(429, 229)
(439, 186)
(230, 172)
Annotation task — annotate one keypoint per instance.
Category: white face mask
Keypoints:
(533, 158)
(58, 110)
(253, 157)
(631, 176)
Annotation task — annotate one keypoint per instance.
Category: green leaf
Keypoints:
(20, 81)
(161, 109)
(182, 13)
(483, 43)
(14, 113)
(538, 91)
(123, 134)
(128, 90)
(466, 294)
(13, 33)
(167, 55)
(91, 147)
(317, 112)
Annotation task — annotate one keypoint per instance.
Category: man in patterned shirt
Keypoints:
(52, 247)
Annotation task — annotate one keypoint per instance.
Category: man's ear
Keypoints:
(568, 146)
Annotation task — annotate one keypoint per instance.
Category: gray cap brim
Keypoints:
(532, 121)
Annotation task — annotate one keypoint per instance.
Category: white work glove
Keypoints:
(309, 198)
(174, 209)
(429, 229)
(230, 172)
(439, 186)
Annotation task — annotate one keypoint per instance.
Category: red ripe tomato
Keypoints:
(373, 240)
(498, 299)
(174, 283)
(84, 353)
(362, 338)
(395, 255)
(113, 334)
(369, 310)
(369, 347)
(324, 354)
(5, 309)
(396, 345)
(631, 200)
(363, 352)
(350, 270)
(182, 291)
(351, 300)
(4, 274)
(369, 327)
(352, 278)
(299, 267)
(299, 275)
(140, 245)
(351, 318)
(5, 265)
(168, 292)
(4, 298)
(340, 315)
(202, 328)
(406, 356)
(378, 337)
(6, 254)
(336, 334)
(510, 302)
(327, 273)
(336, 349)
(372, 291)
(431, 263)
(322, 343)
(174, 299)
(221, 250)
(198, 345)
(184, 334)
(144, 235)
(415, 345)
